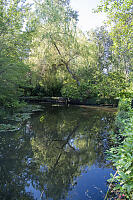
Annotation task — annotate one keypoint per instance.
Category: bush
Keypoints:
(124, 104)
(122, 154)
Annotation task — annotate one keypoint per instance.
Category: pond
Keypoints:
(59, 153)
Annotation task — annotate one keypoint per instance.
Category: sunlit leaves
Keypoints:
(13, 50)
(122, 155)
(120, 20)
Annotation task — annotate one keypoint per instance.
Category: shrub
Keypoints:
(122, 154)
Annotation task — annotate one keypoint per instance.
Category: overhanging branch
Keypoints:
(65, 63)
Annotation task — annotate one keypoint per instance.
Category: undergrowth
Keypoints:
(121, 154)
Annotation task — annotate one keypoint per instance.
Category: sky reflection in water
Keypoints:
(59, 154)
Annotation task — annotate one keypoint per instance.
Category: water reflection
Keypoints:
(55, 147)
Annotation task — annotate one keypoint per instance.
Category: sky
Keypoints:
(87, 19)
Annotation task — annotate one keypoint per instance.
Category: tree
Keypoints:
(55, 45)
(120, 21)
(109, 82)
(14, 50)
(103, 48)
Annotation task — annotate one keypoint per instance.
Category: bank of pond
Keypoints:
(93, 101)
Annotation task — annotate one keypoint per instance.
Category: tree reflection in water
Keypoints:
(53, 148)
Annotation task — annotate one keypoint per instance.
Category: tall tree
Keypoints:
(103, 48)
(14, 49)
(120, 20)
(55, 46)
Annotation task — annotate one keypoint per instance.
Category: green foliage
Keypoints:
(125, 105)
(111, 85)
(119, 15)
(62, 60)
(60, 51)
(12, 75)
(70, 90)
(14, 50)
(122, 154)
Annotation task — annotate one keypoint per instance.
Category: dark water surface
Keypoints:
(58, 154)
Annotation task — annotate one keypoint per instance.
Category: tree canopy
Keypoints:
(43, 52)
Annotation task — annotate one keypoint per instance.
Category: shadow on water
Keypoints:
(58, 154)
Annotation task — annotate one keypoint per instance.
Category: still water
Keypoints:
(58, 154)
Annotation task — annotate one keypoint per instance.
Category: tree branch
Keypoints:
(55, 46)
(65, 63)
(72, 74)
